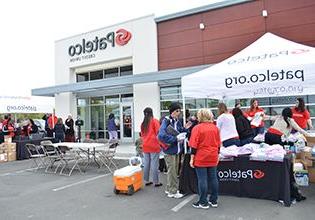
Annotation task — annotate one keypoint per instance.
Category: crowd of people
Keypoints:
(54, 128)
(205, 138)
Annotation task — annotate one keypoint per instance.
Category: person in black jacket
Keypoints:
(243, 127)
(69, 129)
(60, 130)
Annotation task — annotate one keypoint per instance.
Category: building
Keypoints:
(126, 67)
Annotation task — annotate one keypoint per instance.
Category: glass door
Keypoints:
(126, 125)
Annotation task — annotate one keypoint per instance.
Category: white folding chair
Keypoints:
(68, 156)
(36, 156)
(106, 157)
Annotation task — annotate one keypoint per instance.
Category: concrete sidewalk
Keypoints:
(125, 151)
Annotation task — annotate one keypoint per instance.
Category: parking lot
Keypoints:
(25, 194)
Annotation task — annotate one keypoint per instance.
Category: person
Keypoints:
(32, 127)
(111, 126)
(52, 120)
(69, 134)
(256, 114)
(283, 125)
(205, 144)
(243, 127)
(151, 147)
(227, 127)
(8, 126)
(300, 114)
(59, 130)
(173, 149)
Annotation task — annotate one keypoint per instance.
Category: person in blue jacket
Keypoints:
(174, 147)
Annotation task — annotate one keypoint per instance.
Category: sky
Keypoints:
(30, 28)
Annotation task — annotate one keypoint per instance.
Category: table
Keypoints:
(87, 148)
(21, 151)
(246, 178)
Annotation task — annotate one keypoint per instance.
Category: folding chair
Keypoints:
(68, 156)
(53, 155)
(37, 157)
(106, 157)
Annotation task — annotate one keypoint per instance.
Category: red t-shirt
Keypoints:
(51, 122)
(205, 138)
(300, 117)
(251, 113)
(150, 143)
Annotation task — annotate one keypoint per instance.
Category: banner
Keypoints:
(271, 66)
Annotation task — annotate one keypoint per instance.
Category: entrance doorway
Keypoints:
(126, 122)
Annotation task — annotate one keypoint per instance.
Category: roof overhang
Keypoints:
(165, 77)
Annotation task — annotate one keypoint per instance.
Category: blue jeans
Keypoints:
(258, 130)
(207, 176)
(151, 163)
(246, 140)
(230, 142)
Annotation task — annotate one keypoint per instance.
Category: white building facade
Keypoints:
(128, 48)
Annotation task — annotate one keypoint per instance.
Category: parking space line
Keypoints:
(17, 172)
(80, 182)
(183, 203)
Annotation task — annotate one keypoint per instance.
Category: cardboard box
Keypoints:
(3, 157)
(310, 141)
(12, 156)
(311, 175)
(7, 139)
(10, 147)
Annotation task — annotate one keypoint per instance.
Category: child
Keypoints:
(139, 152)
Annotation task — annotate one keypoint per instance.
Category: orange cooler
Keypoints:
(128, 180)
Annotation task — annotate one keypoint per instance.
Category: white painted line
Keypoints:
(80, 182)
(183, 203)
(17, 172)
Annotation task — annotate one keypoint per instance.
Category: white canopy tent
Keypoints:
(29, 104)
(271, 66)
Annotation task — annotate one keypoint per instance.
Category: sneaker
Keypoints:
(213, 204)
(176, 195)
(166, 192)
(198, 205)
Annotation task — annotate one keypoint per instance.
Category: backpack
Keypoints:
(164, 145)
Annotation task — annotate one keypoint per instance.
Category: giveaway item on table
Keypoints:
(257, 119)
(259, 138)
(301, 177)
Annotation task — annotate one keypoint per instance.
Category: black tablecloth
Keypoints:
(245, 178)
(21, 152)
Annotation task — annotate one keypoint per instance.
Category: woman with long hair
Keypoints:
(227, 127)
(151, 147)
(283, 125)
(253, 113)
(300, 114)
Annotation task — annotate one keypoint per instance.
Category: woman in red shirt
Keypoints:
(252, 114)
(300, 114)
(151, 147)
(205, 144)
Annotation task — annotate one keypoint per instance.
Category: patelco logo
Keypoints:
(236, 175)
(258, 174)
(122, 37)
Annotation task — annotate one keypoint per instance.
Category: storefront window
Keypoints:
(97, 100)
(82, 102)
(96, 75)
(81, 77)
(97, 122)
(84, 113)
(109, 73)
(125, 70)
(126, 97)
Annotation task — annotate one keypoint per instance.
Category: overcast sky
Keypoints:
(30, 28)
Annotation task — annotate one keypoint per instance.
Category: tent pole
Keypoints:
(184, 111)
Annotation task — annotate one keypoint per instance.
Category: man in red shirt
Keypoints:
(205, 143)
